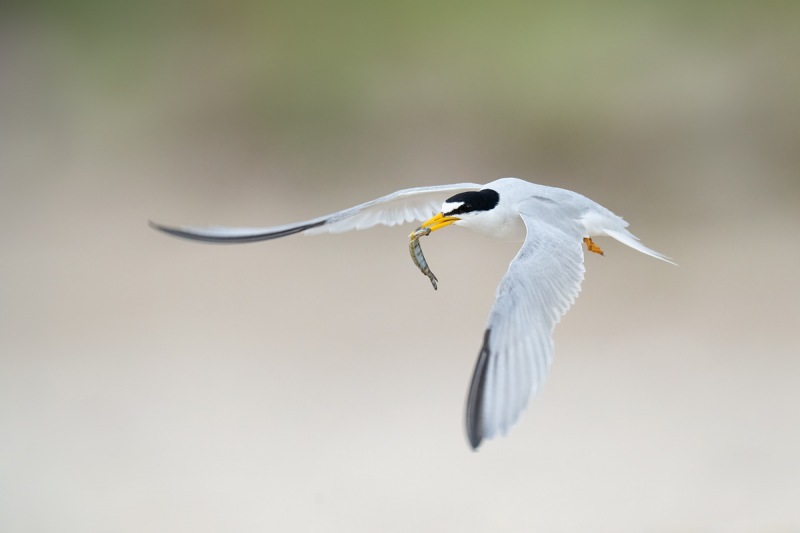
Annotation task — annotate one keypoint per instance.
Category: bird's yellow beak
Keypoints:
(439, 221)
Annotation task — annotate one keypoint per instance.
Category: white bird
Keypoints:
(541, 284)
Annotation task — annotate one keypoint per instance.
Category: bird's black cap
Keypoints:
(483, 200)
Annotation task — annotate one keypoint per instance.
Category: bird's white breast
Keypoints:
(499, 223)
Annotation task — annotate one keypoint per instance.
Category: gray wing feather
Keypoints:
(408, 205)
(541, 284)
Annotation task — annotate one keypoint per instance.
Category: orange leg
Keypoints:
(592, 247)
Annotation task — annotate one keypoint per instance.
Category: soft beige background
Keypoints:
(317, 384)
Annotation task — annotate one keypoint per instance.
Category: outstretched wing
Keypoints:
(408, 205)
(541, 284)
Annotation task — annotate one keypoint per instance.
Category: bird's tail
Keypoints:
(626, 237)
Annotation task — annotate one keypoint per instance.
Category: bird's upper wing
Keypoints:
(408, 205)
(541, 284)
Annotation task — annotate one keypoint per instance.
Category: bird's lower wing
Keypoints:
(408, 205)
(541, 284)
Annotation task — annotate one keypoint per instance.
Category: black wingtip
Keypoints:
(474, 416)
(164, 229)
(177, 232)
(474, 441)
(201, 236)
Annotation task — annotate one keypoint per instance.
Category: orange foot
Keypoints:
(592, 247)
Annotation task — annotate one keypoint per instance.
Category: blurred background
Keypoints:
(317, 384)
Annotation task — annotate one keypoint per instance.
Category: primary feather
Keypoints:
(407, 205)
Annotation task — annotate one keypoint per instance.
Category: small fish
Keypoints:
(416, 253)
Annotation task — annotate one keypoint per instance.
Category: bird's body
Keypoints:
(541, 284)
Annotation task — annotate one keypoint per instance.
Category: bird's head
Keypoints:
(463, 208)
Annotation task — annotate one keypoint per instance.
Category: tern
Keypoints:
(541, 284)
